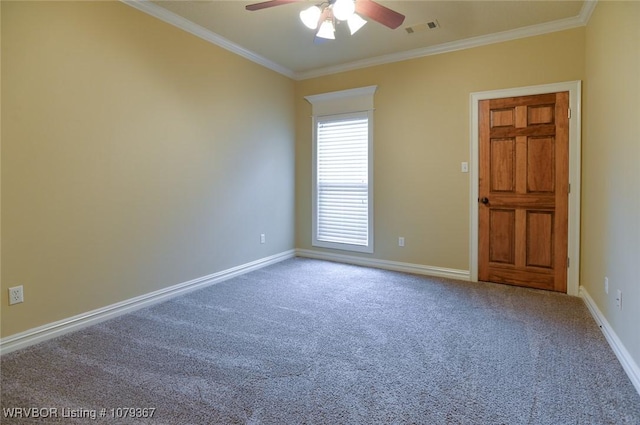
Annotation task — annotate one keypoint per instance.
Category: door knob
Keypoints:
(484, 200)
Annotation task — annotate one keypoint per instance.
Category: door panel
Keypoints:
(503, 226)
(503, 167)
(503, 118)
(540, 239)
(540, 161)
(540, 114)
(523, 188)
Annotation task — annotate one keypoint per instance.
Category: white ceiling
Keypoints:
(276, 38)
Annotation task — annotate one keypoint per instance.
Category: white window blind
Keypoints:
(342, 179)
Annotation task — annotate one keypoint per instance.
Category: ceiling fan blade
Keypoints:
(266, 4)
(379, 13)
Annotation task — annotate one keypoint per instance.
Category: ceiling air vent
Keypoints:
(431, 25)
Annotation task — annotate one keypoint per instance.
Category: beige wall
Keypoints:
(611, 166)
(421, 135)
(135, 156)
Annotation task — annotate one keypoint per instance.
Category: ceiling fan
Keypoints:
(323, 16)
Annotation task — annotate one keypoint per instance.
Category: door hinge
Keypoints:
(569, 187)
(568, 262)
(569, 113)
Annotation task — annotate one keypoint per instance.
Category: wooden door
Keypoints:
(524, 191)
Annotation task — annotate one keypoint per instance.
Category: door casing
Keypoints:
(575, 90)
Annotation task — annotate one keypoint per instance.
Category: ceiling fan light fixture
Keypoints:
(343, 9)
(310, 17)
(355, 22)
(327, 30)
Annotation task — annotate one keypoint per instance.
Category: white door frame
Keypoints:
(575, 91)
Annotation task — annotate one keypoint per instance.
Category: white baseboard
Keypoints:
(625, 359)
(52, 330)
(385, 264)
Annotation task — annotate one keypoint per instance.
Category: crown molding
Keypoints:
(178, 21)
(587, 10)
(548, 27)
(150, 8)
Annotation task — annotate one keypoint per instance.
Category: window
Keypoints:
(342, 170)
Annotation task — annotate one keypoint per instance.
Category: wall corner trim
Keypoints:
(625, 359)
(385, 264)
(61, 327)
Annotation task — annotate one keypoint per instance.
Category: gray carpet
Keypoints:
(312, 342)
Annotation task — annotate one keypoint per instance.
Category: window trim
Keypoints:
(368, 248)
(341, 104)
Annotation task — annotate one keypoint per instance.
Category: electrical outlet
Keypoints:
(619, 299)
(400, 241)
(16, 295)
(263, 238)
(606, 285)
